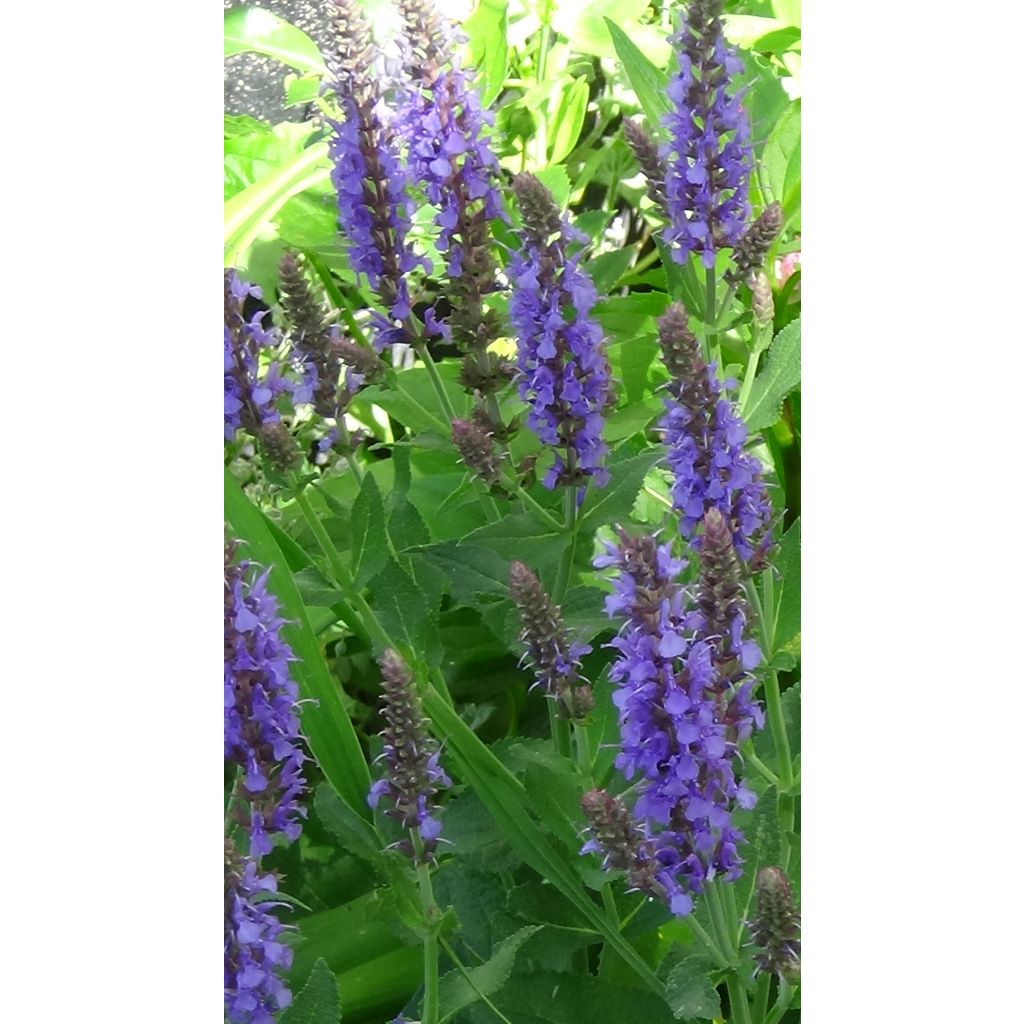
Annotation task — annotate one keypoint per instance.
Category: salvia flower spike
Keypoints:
(620, 841)
(751, 250)
(776, 926)
(680, 717)
(374, 206)
(646, 152)
(255, 958)
(250, 391)
(704, 436)
(476, 447)
(414, 773)
(563, 369)
(555, 661)
(708, 157)
(261, 727)
(449, 152)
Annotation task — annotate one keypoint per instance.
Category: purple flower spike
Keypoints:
(563, 369)
(255, 958)
(374, 206)
(704, 436)
(554, 659)
(684, 701)
(776, 926)
(250, 393)
(261, 728)
(709, 156)
(414, 772)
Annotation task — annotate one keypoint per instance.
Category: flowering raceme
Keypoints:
(563, 369)
(374, 205)
(414, 772)
(708, 157)
(249, 391)
(704, 436)
(450, 153)
(683, 706)
(254, 956)
(261, 728)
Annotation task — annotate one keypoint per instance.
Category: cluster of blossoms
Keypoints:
(709, 158)
(250, 391)
(374, 205)
(704, 436)
(261, 737)
(414, 773)
(449, 153)
(685, 704)
(555, 661)
(563, 369)
(332, 368)
(254, 956)
(776, 926)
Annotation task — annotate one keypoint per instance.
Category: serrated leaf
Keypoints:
(780, 375)
(689, 992)
(456, 993)
(405, 614)
(615, 501)
(556, 998)
(318, 1002)
(316, 590)
(369, 533)
(406, 527)
(260, 30)
(504, 798)
(325, 722)
(523, 537)
(487, 31)
(649, 83)
(471, 568)
(783, 143)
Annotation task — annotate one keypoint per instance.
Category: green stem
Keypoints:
(544, 44)
(732, 917)
(709, 944)
(714, 899)
(739, 1008)
(548, 518)
(713, 351)
(762, 769)
(373, 633)
(461, 968)
(773, 698)
(431, 1013)
(559, 728)
(764, 986)
(755, 356)
(608, 899)
(583, 758)
(346, 440)
(569, 552)
(724, 308)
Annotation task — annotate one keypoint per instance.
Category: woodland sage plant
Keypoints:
(512, 434)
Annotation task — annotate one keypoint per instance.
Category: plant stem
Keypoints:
(373, 632)
(608, 899)
(718, 920)
(461, 968)
(782, 1003)
(569, 553)
(739, 1008)
(773, 698)
(583, 758)
(544, 44)
(732, 917)
(709, 944)
(764, 985)
(431, 1013)
(757, 347)
(713, 351)
(559, 729)
(346, 439)
(752, 759)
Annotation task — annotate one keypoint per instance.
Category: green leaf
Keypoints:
(626, 315)
(615, 501)
(689, 992)
(414, 402)
(586, 25)
(369, 533)
(471, 569)
(607, 268)
(405, 614)
(551, 997)
(649, 83)
(556, 181)
(568, 120)
(456, 993)
(780, 375)
(255, 28)
(505, 798)
(523, 537)
(318, 1002)
(764, 745)
(782, 149)
(787, 618)
(487, 30)
(251, 210)
(325, 722)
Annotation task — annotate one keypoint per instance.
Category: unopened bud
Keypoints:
(280, 448)
(776, 927)
(751, 249)
(763, 301)
(646, 152)
(541, 217)
(477, 449)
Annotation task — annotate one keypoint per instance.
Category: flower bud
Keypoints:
(646, 153)
(280, 448)
(776, 926)
(477, 450)
(750, 251)
(763, 301)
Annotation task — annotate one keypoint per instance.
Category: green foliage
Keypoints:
(780, 375)
(256, 28)
(318, 1002)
